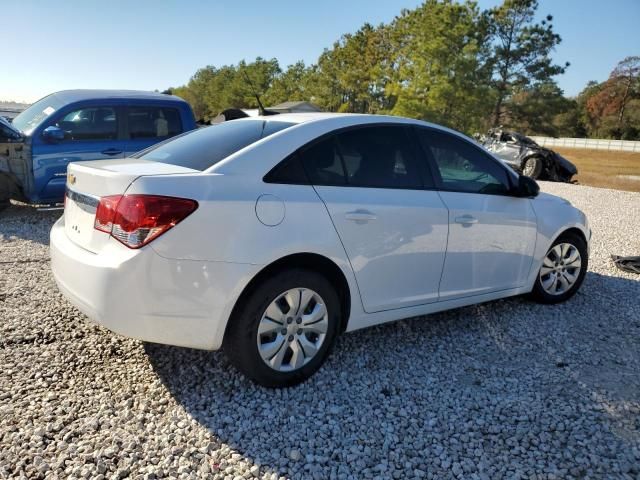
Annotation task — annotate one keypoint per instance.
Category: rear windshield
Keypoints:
(205, 147)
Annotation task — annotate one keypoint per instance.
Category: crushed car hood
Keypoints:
(566, 164)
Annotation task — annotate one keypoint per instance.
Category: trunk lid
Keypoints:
(87, 182)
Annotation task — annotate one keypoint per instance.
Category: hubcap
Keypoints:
(292, 329)
(560, 269)
(529, 167)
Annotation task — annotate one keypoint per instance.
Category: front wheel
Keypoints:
(285, 328)
(563, 270)
(532, 168)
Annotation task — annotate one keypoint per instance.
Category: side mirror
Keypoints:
(53, 134)
(527, 187)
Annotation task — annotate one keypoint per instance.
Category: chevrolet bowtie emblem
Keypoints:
(71, 178)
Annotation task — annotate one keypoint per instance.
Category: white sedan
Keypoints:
(269, 236)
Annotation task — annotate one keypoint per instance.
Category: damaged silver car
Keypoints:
(527, 157)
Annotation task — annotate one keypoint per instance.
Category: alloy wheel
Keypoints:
(292, 329)
(560, 268)
(529, 167)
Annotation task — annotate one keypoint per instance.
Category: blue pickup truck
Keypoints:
(79, 125)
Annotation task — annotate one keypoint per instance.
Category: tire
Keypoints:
(5, 198)
(272, 298)
(544, 285)
(532, 167)
(8, 190)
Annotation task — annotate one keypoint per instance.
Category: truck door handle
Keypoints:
(111, 151)
(360, 216)
(466, 220)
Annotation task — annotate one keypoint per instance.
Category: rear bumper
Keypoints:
(139, 294)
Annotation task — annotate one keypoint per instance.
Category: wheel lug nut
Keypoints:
(299, 331)
(289, 320)
(283, 331)
(291, 338)
(298, 320)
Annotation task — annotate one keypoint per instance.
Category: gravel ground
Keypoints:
(509, 389)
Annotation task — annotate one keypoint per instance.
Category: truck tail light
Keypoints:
(136, 220)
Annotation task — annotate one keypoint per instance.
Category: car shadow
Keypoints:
(20, 221)
(504, 368)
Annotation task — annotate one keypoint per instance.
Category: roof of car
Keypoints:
(80, 95)
(314, 116)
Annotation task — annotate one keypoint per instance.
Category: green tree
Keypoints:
(439, 71)
(535, 110)
(290, 85)
(350, 76)
(195, 91)
(521, 51)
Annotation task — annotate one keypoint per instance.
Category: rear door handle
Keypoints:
(466, 220)
(360, 216)
(111, 151)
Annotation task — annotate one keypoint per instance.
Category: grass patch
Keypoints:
(603, 168)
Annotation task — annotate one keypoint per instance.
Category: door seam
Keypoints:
(446, 246)
(355, 277)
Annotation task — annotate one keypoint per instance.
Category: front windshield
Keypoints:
(36, 113)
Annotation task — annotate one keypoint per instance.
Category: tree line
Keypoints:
(446, 62)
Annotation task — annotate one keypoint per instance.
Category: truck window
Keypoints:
(91, 123)
(153, 122)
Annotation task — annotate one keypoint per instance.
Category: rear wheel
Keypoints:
(532, 167)
(285, 328)
(563, 270)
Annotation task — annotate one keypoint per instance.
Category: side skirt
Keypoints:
(368, 320)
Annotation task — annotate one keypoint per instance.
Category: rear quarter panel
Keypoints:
(226, 228)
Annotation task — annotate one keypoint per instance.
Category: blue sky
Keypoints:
(150, 44)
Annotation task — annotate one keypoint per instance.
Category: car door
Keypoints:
(147, 125)
(91, 132)
(491, 233)
(394, 230)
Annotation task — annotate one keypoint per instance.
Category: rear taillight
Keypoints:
(106, 212)
(135, 220)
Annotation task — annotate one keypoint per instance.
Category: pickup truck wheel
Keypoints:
(5, 197)
(532, 167)
(7, 187)
(284, 329)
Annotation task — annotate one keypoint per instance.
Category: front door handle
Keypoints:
(360, 216)
(466, 220)
(111, 151)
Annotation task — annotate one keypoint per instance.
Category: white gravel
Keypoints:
(509, 389)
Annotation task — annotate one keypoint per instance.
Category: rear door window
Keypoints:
(90, 123)
(323, 164)
(153, 122)
(203, 148)
(379, 157)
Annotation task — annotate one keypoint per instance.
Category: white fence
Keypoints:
(591, 143)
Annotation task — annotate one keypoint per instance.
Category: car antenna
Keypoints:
(261, 110)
